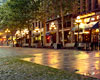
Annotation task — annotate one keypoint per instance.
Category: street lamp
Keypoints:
(37, 31)
(7, 31)
(52, 29)
(37, 36)
(78, 21)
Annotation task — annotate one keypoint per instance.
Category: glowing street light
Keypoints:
(37, 30)
(52, 29)
(52, 26)
(7, 30)
(37, 33)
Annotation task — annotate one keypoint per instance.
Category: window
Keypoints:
(33, 26)
(78, 6)
(68, 24)
(84, 5)
(89, 5)
(39, 24)
(47, 25)
(96, 4)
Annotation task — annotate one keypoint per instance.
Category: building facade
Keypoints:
(54, 31)
(88, 29)
(85, 6)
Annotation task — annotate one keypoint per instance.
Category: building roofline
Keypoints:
(57, 18)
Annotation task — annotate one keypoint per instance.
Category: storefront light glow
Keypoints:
(77, 33)
(97, 17)
(34, 31)
(86, 20)
(86, 32)
(17, 32)
(92, 19)
(97, 30)
(82, 25)
(87, 15)
(26, 31)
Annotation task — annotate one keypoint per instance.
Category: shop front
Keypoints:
(37, 40)
(52, 34)
(87, 32)
(58, 35)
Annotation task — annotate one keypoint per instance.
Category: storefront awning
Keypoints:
(96, 26)
(91, 25)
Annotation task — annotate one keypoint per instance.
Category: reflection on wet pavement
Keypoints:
(83, 63)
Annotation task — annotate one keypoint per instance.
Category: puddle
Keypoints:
(83, 63)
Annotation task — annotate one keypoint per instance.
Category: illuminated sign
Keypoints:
(87, 15)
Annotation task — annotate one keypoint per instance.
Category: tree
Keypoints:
(62, 8)
(44, 11)
(15, 14)
(49, 8)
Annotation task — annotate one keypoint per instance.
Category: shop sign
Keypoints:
(87, 15)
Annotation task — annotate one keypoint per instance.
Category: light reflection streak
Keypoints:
(86, 63)
(38, 58)
(53, 60)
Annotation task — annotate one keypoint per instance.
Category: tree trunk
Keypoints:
(62, 23)
(44, 32)
(12, 40)
(57, 34)
(29, 36)
(21, 39)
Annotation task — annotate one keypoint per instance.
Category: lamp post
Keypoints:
(78, 21)
(37, 30)
(37, 33)
(52, 29)
(7, 31)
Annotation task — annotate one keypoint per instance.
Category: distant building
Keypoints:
(2, 1)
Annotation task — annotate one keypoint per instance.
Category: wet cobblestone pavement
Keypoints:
(87, 63)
